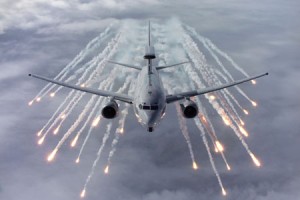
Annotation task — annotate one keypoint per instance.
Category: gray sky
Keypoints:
(42, 37)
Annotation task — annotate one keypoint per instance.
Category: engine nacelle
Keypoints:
(189, 109)
(111, 110)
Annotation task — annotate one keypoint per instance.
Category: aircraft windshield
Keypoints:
(146, 107)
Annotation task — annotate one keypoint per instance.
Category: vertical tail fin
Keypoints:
(149, 51)
(149, 34)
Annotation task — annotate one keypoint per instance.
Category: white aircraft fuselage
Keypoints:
(149, 99)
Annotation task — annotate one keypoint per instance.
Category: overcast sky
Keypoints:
(42, 36)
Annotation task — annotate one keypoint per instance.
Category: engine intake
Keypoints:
(111, 110)
(189, 109)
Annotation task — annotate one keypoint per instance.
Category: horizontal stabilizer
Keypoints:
(125, 65)
(167, 66)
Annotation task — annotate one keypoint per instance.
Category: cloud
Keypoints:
(38, 14)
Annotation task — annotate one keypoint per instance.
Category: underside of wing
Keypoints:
(120, 97)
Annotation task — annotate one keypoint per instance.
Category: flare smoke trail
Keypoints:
(90, 47)
(239, 90)
(94, 124)
(111, 48)
(219, 51)
(185, 133)
(209, 155)
(209, 45)
(112, 76)
(105, 137)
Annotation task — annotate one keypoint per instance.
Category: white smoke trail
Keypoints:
(111, 78)
(89, 48)
(185, 133)
(119, 131)
(97, 62)
(100, 101)
(105, 137)
(110, 50)
(203, 41)
(199, 125)
(75, 124)
(236, 87)
(219, 51)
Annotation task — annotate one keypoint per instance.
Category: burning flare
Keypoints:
(195, 166)
(224, 193)
(219, 146)
(77, 160)
(242, 122)
(82, 194)
(254, 103)
(212, 97)
(52, 155)
(73, 143)
(38, 99)
(253, 82)
(226, 120)
(39, 133)
(56, 130)
(52, 94)
(246, 112)
(228, 167)
(96, 122)
(106, 170)
(41, 140)
(255, 160)
(30, 103)
(243, 131)
(63, 116)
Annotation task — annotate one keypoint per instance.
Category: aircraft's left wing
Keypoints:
(120, 97)
(180, 96)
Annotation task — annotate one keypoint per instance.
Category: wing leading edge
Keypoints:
(180, 96)
(120, 97)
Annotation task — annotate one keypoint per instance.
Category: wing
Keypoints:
(180, 96)
(125, 65)
(163, 67)
(120, 97)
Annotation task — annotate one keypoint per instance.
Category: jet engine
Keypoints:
(111, 110)
(189, 109)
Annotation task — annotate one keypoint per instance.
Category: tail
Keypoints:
(149, 50)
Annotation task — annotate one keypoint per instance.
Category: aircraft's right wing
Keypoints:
(120, 97)
(180, 96)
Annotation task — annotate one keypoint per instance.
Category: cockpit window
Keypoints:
(151, 107)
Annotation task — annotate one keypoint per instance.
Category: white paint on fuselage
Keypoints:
(149, 91)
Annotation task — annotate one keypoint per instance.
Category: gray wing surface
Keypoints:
(180, 96)
(125, 65)
(120, 97)
(167, 66)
